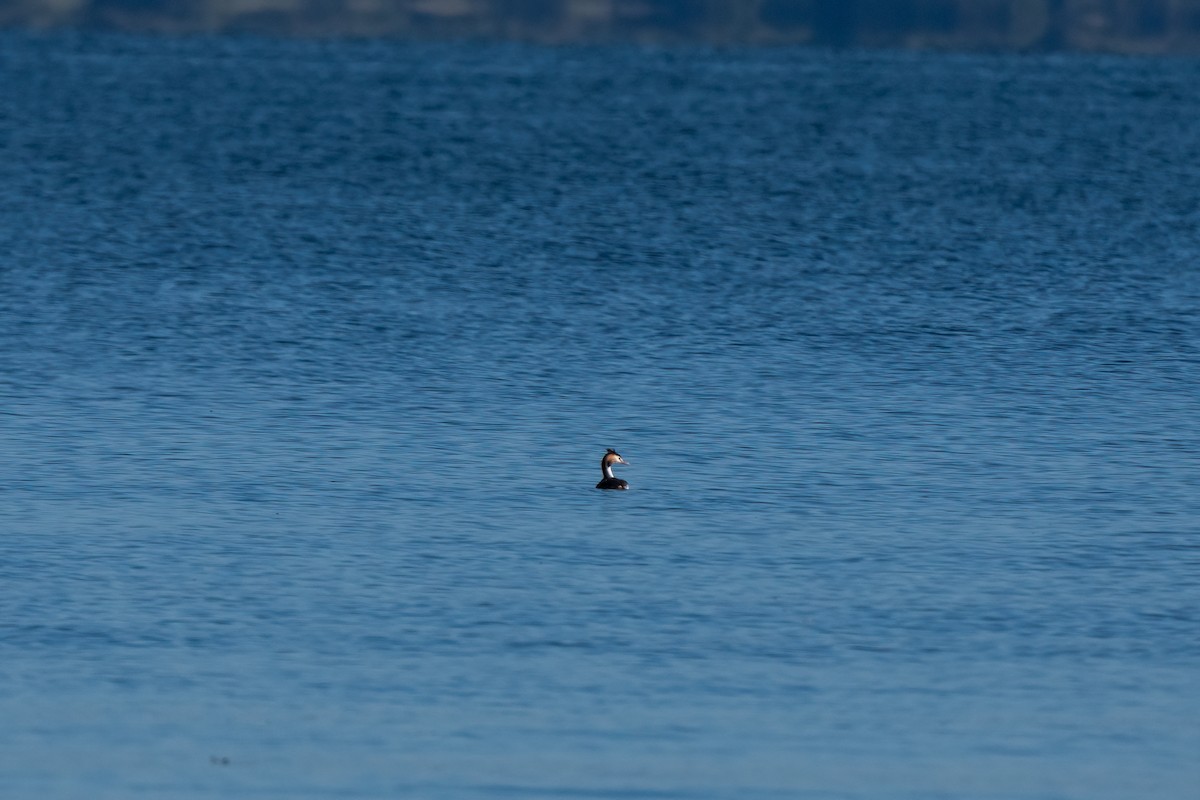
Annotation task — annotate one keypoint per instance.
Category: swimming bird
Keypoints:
(606, 465)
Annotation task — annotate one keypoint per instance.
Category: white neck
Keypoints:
(608, 470)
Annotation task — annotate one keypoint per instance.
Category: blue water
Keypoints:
(309, 352)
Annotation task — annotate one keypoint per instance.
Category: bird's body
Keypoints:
(610, 481)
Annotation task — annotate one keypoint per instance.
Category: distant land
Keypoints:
(1122, 26)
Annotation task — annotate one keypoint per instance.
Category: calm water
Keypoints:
(310, 351)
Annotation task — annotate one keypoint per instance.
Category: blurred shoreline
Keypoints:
(1116, 26)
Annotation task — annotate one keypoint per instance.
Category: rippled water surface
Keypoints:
(308, 354)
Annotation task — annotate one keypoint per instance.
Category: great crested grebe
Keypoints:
(606, 464)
